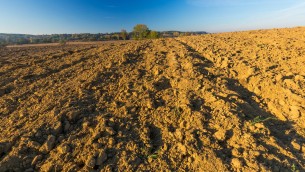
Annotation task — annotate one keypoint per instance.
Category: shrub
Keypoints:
(62, 42)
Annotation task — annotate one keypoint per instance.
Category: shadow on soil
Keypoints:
(283, 132)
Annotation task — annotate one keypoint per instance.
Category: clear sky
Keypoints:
(101, 16)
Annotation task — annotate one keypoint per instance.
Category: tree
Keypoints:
(153, 35)
(2, 43)
(140, 31)
(124, 34)
(176, 34)
(62, 42)
(115, 36)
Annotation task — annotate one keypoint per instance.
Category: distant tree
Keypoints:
(140, 31)
(22, 41)
(153, 35)
(124, 34)
(62, 42)
(176, 34)
(2, 44)
(107, 37)
(115, 36)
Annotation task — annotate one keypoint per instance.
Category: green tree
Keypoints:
(153, 34)
(62, 42)
(123, 34)
(2, 43)
(115, 37)
(176, 34)
(140, 31)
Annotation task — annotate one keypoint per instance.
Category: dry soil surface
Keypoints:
(217, 102)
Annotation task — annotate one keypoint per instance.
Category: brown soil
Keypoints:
(218, 102)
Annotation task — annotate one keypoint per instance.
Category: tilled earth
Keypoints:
(217, 102)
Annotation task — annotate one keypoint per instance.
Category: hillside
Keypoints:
(18, 39)
(215, 102)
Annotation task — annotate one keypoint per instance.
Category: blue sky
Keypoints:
(101, 16)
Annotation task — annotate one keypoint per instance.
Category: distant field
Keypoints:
(68, 43)
(216, 102)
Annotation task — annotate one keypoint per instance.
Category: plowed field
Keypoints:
(217, 102)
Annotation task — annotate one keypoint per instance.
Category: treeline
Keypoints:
(140, 31)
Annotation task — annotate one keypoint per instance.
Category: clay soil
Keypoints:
(217, 102)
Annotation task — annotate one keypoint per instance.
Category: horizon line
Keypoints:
(238, 30)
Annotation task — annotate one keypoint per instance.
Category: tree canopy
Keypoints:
(140, 31)
(123, 34)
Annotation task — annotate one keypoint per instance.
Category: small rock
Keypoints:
(259, 125)
(60, 138)
(110, 131)
(224, 63)
(54, 112)
(64, 149)
(111, 142)
(252, 128)
(72, 116)
(58, 128)
(179, 135)
(135, 94)
(102, 157)
(250, 71)
(36, 160)
(73, 168)
(66, 126)
(296, 145)
(111, 122)
(220, 135)
(86, 125)
(156, 71)
(90, 162)
(34, 144)
(26, 161)
(38, 134)
(190, 159)
(149, 159)
(183, 124)
(279, 77)
(236, 163)
(298, 78)
(71, 138)
(165, 146)
(255, 153)
(49, 144)
(294, 112)
(182, 148)
(150, 104)
(235, 152)
(97, 145)
(22, 114)
(96, 135)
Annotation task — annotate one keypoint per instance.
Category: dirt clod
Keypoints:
(36, 159)
(236, 163)
(49, 144)
(64, 149)
(90, 162)
(220, 135)
(101, 158)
